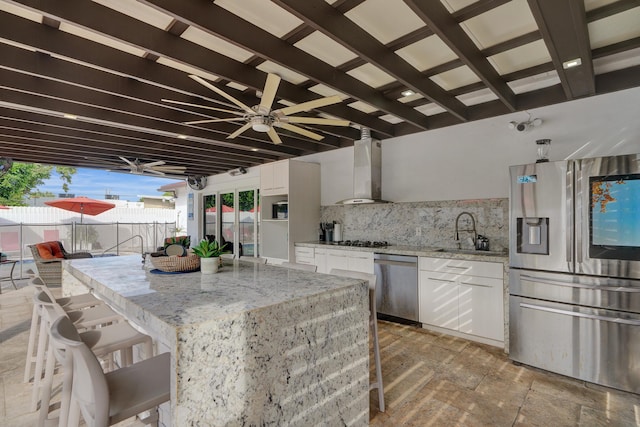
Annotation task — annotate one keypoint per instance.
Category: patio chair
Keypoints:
(48, 258)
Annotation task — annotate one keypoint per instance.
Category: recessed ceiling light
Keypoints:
(255, 149)
(70, 116)
(407, 92)
(182, 136)
(571, 63)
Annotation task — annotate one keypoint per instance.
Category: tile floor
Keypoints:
(430, 380)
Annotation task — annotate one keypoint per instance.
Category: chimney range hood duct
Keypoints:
(367, 171)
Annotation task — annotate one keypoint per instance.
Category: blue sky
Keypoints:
(96, 183)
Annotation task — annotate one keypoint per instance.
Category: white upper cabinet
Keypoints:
(274, 178)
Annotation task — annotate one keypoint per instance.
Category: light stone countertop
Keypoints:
(425, 251)
(192, 298)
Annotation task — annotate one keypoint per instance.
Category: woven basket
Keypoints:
(176, 263)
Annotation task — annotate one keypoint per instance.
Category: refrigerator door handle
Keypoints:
(526, 278)
(570, 204)
(583, 315)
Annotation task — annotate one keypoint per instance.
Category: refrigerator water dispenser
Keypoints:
(533, 236)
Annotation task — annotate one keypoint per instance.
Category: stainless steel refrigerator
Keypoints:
(574, 304)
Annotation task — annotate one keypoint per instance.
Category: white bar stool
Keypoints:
(103, 341)
(76, 302)
(373, 326)
(82, 319)
(106, 399)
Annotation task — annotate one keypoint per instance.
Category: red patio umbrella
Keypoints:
(82, 205)
(225, 208)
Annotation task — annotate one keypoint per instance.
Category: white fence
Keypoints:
(118, 231)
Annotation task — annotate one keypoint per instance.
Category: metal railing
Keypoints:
(75, 237)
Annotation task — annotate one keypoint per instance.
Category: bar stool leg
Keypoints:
(37, 376)
(33, 332)
(376, 355)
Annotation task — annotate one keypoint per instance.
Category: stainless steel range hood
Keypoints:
(367, 171)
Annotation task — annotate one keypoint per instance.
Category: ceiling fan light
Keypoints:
(260, 127)
(260, 124)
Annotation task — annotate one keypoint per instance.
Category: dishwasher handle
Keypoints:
(397, 263)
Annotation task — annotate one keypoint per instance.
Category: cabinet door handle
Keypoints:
(442, 280)
(476, 284)
(457, 266)
(632, 322)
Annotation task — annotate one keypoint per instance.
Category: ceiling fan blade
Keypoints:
(127, 161)
(199, 122)
(269, 93)
(239, 131)
(153, 172)
(152, 164)
(274, 136)
(222, 93)
(169, 168)
(301, 131)
(309, 105)
(188, 104)
(317, 121)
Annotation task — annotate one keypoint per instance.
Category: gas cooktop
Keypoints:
(361, 243)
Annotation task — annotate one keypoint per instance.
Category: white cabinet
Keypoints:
(298, 184)
(328, 259)
(274, 178)
(305, 255)
(463, 296)
(320, 257)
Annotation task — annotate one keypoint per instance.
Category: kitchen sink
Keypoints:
(471, 252)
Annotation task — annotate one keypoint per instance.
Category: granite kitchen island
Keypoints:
(251, 345)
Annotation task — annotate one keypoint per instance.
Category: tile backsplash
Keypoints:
(423, 223)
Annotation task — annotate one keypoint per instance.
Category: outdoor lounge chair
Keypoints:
(48, 257)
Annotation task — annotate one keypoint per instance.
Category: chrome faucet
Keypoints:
(473, 229)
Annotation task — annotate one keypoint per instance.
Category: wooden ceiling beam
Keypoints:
(50, 146)
(174, 154)
(83, 101)
(75, 128)
(132, 90)
(563, 26)
(324, 18)
(440, 21)
(216, 20)
(112, 24)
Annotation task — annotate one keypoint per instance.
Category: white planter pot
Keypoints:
(209, 265)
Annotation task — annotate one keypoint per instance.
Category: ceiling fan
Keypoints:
(155, 168)
(262, 118)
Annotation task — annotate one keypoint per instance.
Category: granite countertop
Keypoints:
(425, 251)
(192, 298)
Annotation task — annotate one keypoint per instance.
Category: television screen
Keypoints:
(615, 214)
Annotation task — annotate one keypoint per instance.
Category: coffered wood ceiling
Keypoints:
(83, 82)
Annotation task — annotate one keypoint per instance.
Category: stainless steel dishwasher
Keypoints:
(397, 286)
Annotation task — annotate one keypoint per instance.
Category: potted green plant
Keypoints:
(209, 253)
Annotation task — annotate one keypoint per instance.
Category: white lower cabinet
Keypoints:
(462, 296)
(321, 260)
(305, 255)
(328, 259)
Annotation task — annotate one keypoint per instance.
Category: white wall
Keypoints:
(471, 160)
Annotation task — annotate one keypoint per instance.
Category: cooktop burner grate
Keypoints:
(364, 243)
